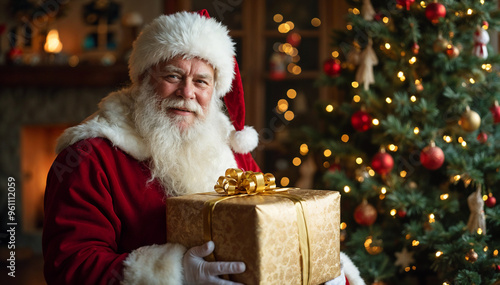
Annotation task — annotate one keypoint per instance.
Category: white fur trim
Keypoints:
(350, 270)
(185, 34)
(154, 264)
(113, 122)
(244, 141)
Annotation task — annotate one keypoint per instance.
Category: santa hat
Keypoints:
(197, 35)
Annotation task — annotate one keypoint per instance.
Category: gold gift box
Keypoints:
(263, 232)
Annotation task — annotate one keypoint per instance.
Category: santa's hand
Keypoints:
(199, 271)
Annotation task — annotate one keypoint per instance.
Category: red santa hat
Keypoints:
(197, 35)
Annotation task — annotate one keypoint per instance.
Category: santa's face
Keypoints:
(189, 84)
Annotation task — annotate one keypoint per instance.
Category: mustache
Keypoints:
(179, 103)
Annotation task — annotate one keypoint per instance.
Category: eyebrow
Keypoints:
(173, 68)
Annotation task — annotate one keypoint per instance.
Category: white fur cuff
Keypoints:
(350, 270)
(154, 264)
(244, 141)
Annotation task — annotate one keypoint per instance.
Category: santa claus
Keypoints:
(165, 135)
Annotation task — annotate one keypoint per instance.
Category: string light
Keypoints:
(329, 108)
(439, 253)
(385, 20)
(486, 66)
(485, 197)
(371, 172)
(413, 98)
(375, 122)
(356, 98)
(469, 11)
(316, 22)
(347, 189)
(444, 196)
(392, 147)
(304, 149)
(479, 231)
(355, 84)
(284, 181)
(289, 115)
(335, 54)
(416, 130)
(388, 100)
(472, 81)
(355, 11)
(278, 18)
(343, 226)
(284, 28)
(326, 164)
(412, 60)
(456, 178)
(431, 218)
(291, 25)
(282, 106)
(495, 252)
(348, 27)
(401, 76)
(387, 46)
(291, 93)
(415, 242)
(393, 212)
(383, 190)
(359, 160)
(296, 161)
(327, 153)
(447, 138)
(344, 138)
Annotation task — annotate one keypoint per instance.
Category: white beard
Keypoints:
(184, 161)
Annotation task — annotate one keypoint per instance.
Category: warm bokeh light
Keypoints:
(278, 18)
(289, 115)
(347, 189)
(291, 93)
(329, 108)
(327, 153)
(284, 181)
(315, 22)
(344, 138)
(297, 161)
(356, 98)
(304, 149)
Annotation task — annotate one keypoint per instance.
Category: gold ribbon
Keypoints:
(238, 183)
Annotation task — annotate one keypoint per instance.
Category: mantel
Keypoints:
(56, 76)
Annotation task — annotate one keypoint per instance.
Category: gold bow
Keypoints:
(237, 181)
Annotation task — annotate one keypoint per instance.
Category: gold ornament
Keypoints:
(440, 44)
(373, 246)
(470, 120)
(471, 256)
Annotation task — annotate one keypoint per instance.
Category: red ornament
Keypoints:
(332, 67)
(334, 167)
(435, 11)
(293, 39)
(15, 55)
(382, 162)
(405, 3)
(495, 111)
(361, 121)
(432, 157)
(482, 137)
(365, 214)
(401, 213)
(491, 201)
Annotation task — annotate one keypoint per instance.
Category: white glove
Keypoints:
(199, 271)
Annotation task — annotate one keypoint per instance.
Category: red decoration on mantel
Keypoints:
(365, 214)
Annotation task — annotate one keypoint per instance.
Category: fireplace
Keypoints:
(37, 154)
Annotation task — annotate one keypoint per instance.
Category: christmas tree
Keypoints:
(412, 140)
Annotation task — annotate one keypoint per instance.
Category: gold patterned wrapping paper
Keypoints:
(262, 231)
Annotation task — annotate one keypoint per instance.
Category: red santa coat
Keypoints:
(104, 223)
